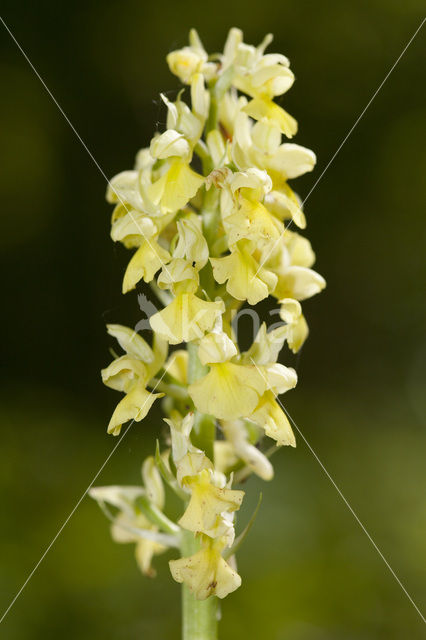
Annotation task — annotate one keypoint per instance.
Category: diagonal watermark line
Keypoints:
(135, 222)
(78, 503)
(339, 148)
(351, 510)
(80, 500)
(361, 115)
(339, 491)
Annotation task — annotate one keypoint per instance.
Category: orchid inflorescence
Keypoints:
(208, 208)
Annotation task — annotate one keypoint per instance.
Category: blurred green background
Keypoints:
(309, 572)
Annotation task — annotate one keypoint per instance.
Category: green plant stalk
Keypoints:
(199, 617)
(204, 429)
(156, 516)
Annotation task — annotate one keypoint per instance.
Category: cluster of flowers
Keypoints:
(207, 208)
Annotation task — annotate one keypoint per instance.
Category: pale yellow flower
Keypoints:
(138, 222)
(122, 498)
(184, 125)
(296, 329)
(148, 259)
(230, 50)
(206, 573)
(299, 250)
(259, 145)
(229, 107)
(177, 366)
(179, 276)
(237, 437)
(186, 121)
(131, 373)
(170, 143)
(131, 342)
(252, 182)
(269, 415)
(255, 73)
(299, 283)
(266, 109)
(130, 524)
(245, 279)
(180, 430)
(188, 460)
(251, 220)
(129, 190)
(123, 372)
(191, 464)
(232, 389)
(216, 347)
(177, 184)
(268, 77)
(191, 243)
(217, 147)
(145, 551)
(153, 483)
(255, 180)
(228, 391)
(266, 346)
(131, 227)
(285, 204)
(188, 61)
(208, 505)
(225, 456)
(243, 214)
(125, 189)
(134, 406)
(186, 318)
(290, 262)
(278, 378)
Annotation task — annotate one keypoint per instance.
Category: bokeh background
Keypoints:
(309, 571)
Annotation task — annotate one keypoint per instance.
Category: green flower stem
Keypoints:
(156, 516)
(204, 430)
(210, 213)
(202, 151)
(173, 390)
(217, 91)
(213, 113)
(196, 370)
(199, 617)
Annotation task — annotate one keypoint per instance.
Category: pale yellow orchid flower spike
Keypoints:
(207, 210)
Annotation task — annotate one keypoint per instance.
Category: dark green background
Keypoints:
(309, 572)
